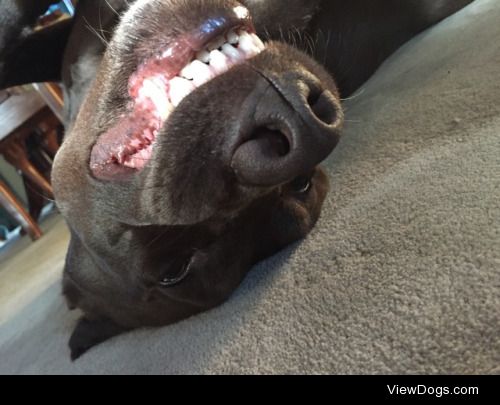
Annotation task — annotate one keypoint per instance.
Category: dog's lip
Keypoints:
(214, 26)
(172, 58)
(108, 172)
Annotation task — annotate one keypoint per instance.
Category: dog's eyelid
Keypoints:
(302, 184)
(169, 282)
(305, 188)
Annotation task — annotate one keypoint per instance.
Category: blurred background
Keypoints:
(30, 134)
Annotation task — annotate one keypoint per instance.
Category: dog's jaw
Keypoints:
(162, 81)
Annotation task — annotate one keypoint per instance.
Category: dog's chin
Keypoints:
(160, 84)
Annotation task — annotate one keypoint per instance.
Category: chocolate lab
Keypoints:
(194, 131)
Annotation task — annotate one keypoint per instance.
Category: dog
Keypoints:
(194, 134)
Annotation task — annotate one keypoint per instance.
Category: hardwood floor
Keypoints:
(27, 268)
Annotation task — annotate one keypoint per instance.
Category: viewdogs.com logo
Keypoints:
(438, 392)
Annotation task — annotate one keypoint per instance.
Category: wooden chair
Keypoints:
(9, 201)
(20, 116)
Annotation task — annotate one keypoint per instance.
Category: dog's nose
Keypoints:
(292, 123)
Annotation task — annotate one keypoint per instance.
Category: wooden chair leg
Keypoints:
(51, 141)
(36, 201)
(12, 205)
(16, 155)
(48, 129)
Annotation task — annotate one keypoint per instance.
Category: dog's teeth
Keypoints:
(138, 159)
(146, 154)
(131, 163)
(147, 136)
(124, 152)
(219, 62)
(143, 154)
(187, 72)
(247, 45)
(154, 89)
(202, 73)
(257, 42)
(160, 95)
(165, 109)
(216, 44)
(203, 56)
(232, 37)
(232, 53)
(179, 89)
(135, 143)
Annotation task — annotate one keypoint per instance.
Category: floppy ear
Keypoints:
(27, 56)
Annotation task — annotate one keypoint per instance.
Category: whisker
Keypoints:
(328, 39)
(94, 31)
(355, 95)
(310, 41)
(112, 8)
(38, 193)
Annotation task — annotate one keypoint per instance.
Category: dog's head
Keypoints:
(192, 118)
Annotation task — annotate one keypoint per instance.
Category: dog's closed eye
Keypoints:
(301, 184)
(176, 273)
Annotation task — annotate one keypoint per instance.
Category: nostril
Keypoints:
(313, 97)
(274, 143)
(290, 124)
(323, 106)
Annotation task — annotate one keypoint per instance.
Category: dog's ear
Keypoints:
(27, 56)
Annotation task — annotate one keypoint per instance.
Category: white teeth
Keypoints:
(202, 73)
(204, 56)
(187, 72)
(219, 56)
(247, 45)
(232, 37)
(232, 53)
(154, 90)
(222, 54)
(139, 158)
(219, 62)
(165, 109)
(257, 41)
(179, 89)
(145, 154)
(135, 143)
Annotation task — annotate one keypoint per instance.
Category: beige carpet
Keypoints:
(402, 274)
(28, 268)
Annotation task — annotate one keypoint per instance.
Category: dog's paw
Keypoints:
(89, 333)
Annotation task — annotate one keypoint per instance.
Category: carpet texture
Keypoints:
(401, 275)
